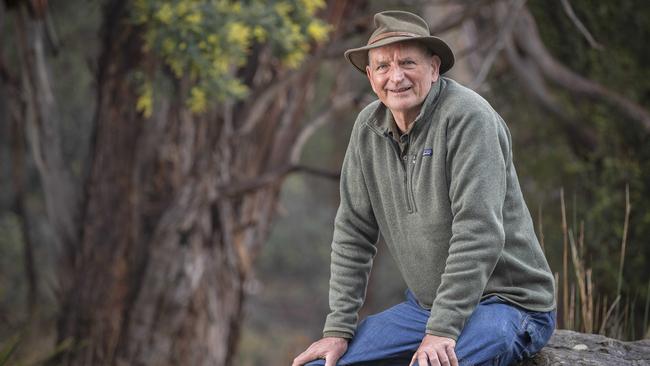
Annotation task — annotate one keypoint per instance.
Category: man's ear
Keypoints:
(435, 67)
(368, 74)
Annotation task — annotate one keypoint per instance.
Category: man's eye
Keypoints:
(382, 67)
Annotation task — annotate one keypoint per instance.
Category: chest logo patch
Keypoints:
(427, 152)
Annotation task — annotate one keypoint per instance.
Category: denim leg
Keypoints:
(498, 333)
(392, 333)
(536, 331)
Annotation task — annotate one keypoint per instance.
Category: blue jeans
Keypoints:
(497, 333)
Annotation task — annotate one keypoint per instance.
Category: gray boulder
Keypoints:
(572, 348)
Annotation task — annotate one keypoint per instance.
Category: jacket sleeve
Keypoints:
(478, 157)
(353, 246)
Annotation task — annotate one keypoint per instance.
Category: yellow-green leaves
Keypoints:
(209, 40)
(144, 104)
(318, 31)
(165, 14)
(239, 34)
(311, 6)
(197, 102)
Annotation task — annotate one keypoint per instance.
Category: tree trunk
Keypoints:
(37, 110)
(168, 237)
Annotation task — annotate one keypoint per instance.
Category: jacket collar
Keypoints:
(382, 119)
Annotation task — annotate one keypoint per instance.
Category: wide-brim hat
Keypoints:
(394, 26)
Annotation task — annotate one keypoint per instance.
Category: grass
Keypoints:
(42, 358)
(582, 308)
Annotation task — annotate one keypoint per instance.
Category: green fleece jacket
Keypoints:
(447, 201)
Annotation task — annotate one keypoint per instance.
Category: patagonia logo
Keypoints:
(427, 152)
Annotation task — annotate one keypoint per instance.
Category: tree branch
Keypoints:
(263, 100)
(454, 20)
(528, 72)
(20, 208)
(569, 12)
(528, 39)
(237, 189)
(339, 101)
(508, 20)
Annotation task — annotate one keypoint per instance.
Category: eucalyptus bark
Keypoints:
(40, 119)
(167, 235)
(32, 114)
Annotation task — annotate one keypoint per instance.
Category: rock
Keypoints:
(572, 348)
(580, 347)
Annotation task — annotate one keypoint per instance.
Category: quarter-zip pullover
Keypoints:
(449, 206)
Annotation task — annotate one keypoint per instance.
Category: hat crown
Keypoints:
(395, 26)
(393, 21)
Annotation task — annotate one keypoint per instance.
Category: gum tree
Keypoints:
(198, 106)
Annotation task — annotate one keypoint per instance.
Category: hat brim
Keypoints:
(358, 57)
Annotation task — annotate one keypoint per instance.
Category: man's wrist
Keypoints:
(441, 334)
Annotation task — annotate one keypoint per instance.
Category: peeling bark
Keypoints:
(40, 119)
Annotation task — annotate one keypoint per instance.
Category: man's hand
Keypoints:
(435, 351)
(329, 348)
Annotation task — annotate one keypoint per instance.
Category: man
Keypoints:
(429, 166)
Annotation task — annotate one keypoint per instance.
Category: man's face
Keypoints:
(401, 75)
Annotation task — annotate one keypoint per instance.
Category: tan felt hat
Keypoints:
(398, 26)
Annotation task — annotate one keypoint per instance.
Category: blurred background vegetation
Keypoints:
(580, 153)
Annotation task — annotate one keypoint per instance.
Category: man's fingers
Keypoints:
(297, 361)
(451, 353)
(426, 359)
(329, 348)
(301, 359)
(442, 356)
(435, 351)
(423, 359)
(330, 360)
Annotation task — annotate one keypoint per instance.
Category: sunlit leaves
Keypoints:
(208, 41)
(144, 104)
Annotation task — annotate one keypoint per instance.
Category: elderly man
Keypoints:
(430, 167)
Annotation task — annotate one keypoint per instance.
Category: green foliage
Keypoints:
(208, 40)
(622, 155)
(595, 180)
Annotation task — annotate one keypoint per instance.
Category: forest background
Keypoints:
(169, 168)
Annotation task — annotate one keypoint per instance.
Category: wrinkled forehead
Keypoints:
(399, 50)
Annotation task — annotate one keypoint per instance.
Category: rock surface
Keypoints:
(572, 348)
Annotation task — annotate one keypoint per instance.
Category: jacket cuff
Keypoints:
(445, 323)
(442, 334)
(336, 334)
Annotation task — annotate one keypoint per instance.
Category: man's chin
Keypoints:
(400, 105)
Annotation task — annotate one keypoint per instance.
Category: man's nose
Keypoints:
(396, 74)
